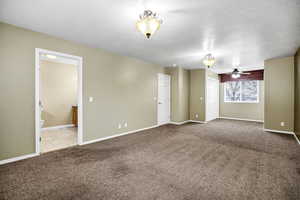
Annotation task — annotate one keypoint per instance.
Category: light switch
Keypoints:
(91, 99)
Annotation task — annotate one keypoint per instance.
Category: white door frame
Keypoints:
(157, 102)
(38, 52)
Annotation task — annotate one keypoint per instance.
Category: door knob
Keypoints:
(159, 102)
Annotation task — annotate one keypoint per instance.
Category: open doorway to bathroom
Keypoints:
(58, 100)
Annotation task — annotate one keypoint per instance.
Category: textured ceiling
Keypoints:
(244, 32)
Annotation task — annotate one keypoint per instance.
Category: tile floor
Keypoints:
(58, 139)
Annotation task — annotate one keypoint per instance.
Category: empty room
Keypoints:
(150, 100)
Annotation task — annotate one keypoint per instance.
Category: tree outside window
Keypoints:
(241, 91)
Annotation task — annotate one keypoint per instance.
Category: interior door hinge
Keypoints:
(40, 139)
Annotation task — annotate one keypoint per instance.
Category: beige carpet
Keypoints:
(220, 160)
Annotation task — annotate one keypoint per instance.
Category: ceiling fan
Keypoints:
(236, 73)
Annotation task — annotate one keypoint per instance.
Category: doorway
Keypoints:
(212, 105)
(58, 100)
(163, 99)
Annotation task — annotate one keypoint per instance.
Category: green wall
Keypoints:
(197, 94)
(297, 92)
(123, 88)
(57, 80)
(180, 81)
(188, 93)
(279, 94)
(211, 74)
(184, 87)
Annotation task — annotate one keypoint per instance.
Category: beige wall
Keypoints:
(253, 111)
(197, 94)
(184, 88)
(211, 74)
(297, 92)
(123, 89)
(180, 80)
(58, 92)
(279, 93)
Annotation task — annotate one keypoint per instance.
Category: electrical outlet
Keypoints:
(196, 115)
(119, 126)
(281, 123)
(125, 125)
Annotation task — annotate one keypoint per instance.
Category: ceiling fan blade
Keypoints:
(245, 73)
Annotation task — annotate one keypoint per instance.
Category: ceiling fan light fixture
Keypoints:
(148, 23)
(235, 75)
(209, 60)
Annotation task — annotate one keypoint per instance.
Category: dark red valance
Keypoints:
(254, 75)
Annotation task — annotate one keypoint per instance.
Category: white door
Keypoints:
(212, 104)
(163, 99)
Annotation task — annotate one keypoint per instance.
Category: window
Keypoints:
(241, 91)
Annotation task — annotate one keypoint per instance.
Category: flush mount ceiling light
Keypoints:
(148, 23)
(209, 60)
(235, 76)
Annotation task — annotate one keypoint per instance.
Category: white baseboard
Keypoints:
(296, 137)
(58, 127)
(138, 130)
(118, 135)
(163, 124)
(195, 121)
(180, 123)
(187, 121)
(2, 162)
(277, 131)
(284, 132)
(241, 119)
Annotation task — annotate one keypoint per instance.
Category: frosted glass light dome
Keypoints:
(209, 60)
(148, 23)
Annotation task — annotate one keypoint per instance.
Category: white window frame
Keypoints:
(258, 94)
